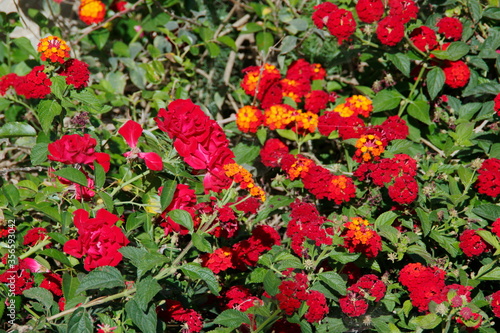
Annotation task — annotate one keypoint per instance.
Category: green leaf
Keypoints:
(100, 37)
(101, 277)
(344, 257)
(196, 272)
(213, 49)
(334, 281)
(11, 193)
(493, 275)
(454, 52)
(146, 321)
(57, 255)
(264, 40)
(447, 243)
(490, 238)
(425, 221)
(492, 13)
(385, 218)
(25, 44)
(251, 27)
(69, 286)
(232, 318)
(420, 111)
(39, 153)
(16, 130)
(287, 134)
(475, 10)
(245, 154)
(401, 61)
(167, 193)
(40, 294)
(386, 100)
(289, 43)
(108, 201)
(146, 290)
(271, 283)
(58, 86)
(491, 88)
(80, 322)
(201, 243)
(435, 81)
(99, 175)
(228, 41)
(47, 110)
(73, 175)
(488, 211)
(87, 98)
(181, 217)
(427, 322)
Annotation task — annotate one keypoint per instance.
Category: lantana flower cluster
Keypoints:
(367, 289)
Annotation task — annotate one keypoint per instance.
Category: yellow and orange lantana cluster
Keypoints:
(280, 116)
(354, 106)
(92, 11)
(243, 177)
(369, 147)
(53, 48)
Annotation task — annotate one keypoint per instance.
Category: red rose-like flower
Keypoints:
(131, 131)
(495, 303)
(404, 10)
(353, 305)
(173, 310)
(457, 73)
(390, 30)
(33, 236)
(488, 181)
(72, 149)
(495, 227)
(53, 283)
(370, 11)
(77, 73)
(472, 244)
(341, 24)
(425, 284)
(496, 106)
(450, 27)
(322, 13)
(99, 239)
(424, 38)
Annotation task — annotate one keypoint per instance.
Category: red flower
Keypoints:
(184, 198)
(369, 286)
(450, 27)
(119, 5)
(77, 73)
(472, 244)
(496, 107)
(404, 10)
(457, 73)
(53, 283)
(249, 205)
(404, 190)
(8, 81)
(131, 131)
(495, 303)
(272, 152)
(284, 326)
(36, 84)
(341, 24)
(99, 239)
(359, 237)
(347, 127)
(240, 298)
(488, 181)
(390, 30)
(249, 118)
(33, 236)
(424, 38)
(19, 277)
(370, 11)
(425, 284)
(219, 260)
(263, 82)
(317, 307)
(457, 294)
(353, 304)
(316, 101)
(393, 128)
(173, 310)
(495, 227)
(73, 149)
(322, 13)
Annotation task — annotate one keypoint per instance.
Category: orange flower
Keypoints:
(255, 76)
(298, 168)
(361, 105)
(53, 49)
(249, 118)
(344, 110)
(360, 237)
(243, 177)
(370, 147)
(278, 116)
(92, 11)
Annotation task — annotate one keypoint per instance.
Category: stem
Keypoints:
(35, 249)
(267, 321)
(412, 90)
(130, 181)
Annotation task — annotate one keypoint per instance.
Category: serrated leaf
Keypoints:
(488, 211)
(167, 193)
(271, 283)
(334, 281)
(386, 100)
(146, 321)
(16, 130)
(201, 243)
(11, 193)
(232, 318)
(195, 271)
(80, 322)
(142, 259)
(420, 111)
(435, 81)
(58, 86)
(182, 218)
(47, 110)
(287, 134)
(385, 218)
(57, 255)
(447, 243)
(401, 61)
(25, 44)
(245, 154)
(39, 153)
(73, 175)
(146, 290)
(69, 286)
(42, 295)
(101, 277)
(489, 238)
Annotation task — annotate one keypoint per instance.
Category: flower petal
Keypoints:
(131, 131)
(153, 161)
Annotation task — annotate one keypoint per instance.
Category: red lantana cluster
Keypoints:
(488, 181)
(307, 224)
(269, 88)
(247, 252)
(425, 284)
(339, 22)
(496, 101)
(359, 237)
(292, 293)
(199, 140)
(20, 277)
(33, 236)
(495, 227)
(472, 244)
(495, 303)
(368, 288)
(76, 72)
(99, 239)
(173, 310)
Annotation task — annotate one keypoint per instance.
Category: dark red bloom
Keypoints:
(496, 106)
(184, 198)
(390, 30)
(317, 306)
(450, 27)
(36, 84)
(73, 149)
(495, 303)
(272, 152)
(369, 286)
(76, 72)
(173, 310)
(404, 190)
(457, 73)
(19, 277)
(8, 81)
(404, 10)
(495, 227)
(425, 284)
(53, 283)
(316, 101)
(472, 244)
(219, 260)
(322, 13)
(284, 326)
(424, 38)
(33, 236)
(353, 305)
(341, 24)
(370, 11)
(249, 205)
(488, 181)
(99, 239)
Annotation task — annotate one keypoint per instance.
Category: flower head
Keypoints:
(76, 72)
(370, 11)
(249, 118)
(450, 27)
(390, 30)
(369, 147)
(359, 236)
(53, 48)
(92, 11)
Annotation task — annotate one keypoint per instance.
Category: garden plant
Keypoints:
(250, 166)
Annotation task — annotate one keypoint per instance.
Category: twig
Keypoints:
(24, 169)
(436, 149)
